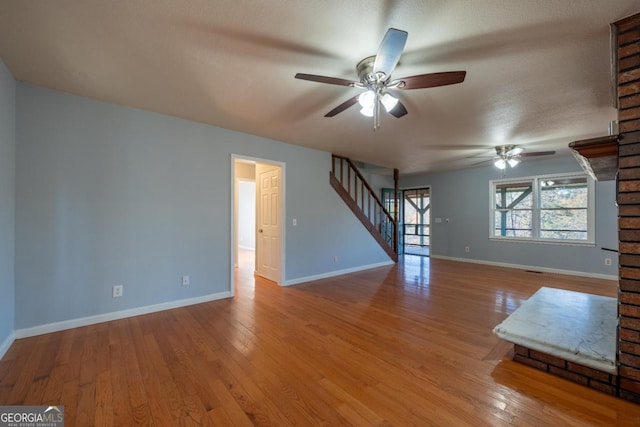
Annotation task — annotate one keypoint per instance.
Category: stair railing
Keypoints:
(354, 189)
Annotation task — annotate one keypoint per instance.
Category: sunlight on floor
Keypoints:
(416, 269)
(245, 280)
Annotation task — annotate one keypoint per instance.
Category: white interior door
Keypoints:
(269, 217)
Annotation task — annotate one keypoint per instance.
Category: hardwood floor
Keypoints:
(403, 345)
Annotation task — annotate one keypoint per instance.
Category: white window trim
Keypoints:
(591, 209)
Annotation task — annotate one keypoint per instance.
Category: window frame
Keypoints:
(536, 209)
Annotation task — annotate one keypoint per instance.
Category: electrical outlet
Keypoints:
(335, 258)
(185, 281)
(467, 249)
(607, 261)
(117, 291)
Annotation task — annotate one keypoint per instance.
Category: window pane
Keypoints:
(514, 204)
(563, 224)
(514, 195)
(564, 193)
(563, 213)
(513, 223)
(565, 235)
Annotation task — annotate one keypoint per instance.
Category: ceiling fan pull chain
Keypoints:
(376, 110)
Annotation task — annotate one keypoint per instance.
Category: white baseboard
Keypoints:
(335, 273)
(6, 344)
(106, 317)
(529, 267)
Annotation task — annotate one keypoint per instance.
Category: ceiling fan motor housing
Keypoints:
(503, 150)
(365, 70)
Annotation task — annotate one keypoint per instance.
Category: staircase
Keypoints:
(356, 192)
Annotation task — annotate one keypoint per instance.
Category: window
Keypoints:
(548, 208)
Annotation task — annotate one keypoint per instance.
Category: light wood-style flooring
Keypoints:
(402, 345)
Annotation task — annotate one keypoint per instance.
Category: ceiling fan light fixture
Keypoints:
(513, 162)
(389, 101)
(366, 100)
(500, 164)
(367, 111)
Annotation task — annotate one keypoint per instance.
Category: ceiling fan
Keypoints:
(510, 155)
(374, 73)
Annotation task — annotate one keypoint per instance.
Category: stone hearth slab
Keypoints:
(574, 326)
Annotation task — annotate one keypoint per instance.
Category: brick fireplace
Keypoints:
(606, 155)
(628, 78)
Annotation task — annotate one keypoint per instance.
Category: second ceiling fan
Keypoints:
(510, 155)
(374, 73)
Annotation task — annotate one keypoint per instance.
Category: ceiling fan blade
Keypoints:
(325, 79)
(480, 156)
(481, 162)
(389, 52)
(538, 153)
(515, 151)
(423, 81)
(399, 110)
(458, 147)
(340, 108)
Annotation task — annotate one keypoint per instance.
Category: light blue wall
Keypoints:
(7, 204)
(107, 194)
(463, 197)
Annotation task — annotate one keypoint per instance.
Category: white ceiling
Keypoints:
(538, 71)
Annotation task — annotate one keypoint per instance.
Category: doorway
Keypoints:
(257, 216)
(416, 221)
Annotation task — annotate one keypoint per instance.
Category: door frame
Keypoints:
(417, 187)
(234, 217)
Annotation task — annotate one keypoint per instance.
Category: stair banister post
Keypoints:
(396, 177)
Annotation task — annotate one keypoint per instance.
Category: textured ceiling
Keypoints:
(538, 71)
